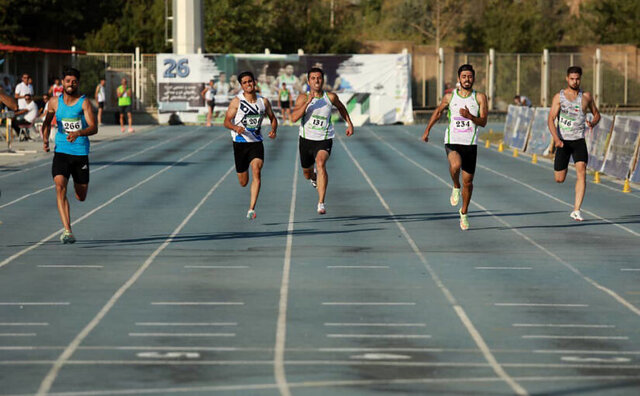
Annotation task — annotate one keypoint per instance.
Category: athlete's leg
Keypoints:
(455, 162)
(81, 191)
(99, 116)
(122, 121)
(322, 177)
(560, 176)
(467, 190)
(256, 169)
(63, 203)
(130, 121)
(209, 113)
(243, 178)
(581, 183)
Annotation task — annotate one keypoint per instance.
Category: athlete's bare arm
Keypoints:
(436, 116)
(272, 118)
(231, 114)
(96, 93)
(591, 106)
(204, 91)
(8, 100)
(482, 119)
(302, 102)
(343, 112)
(551, 121)
(91, 128)
(46, 124)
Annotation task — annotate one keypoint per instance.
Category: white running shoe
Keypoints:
(314, 183)
(464, 221)
(576, 215)
(251, 214)
(454, 199)
(67, 237)
(321, 208)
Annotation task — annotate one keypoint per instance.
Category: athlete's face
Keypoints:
(573, 80)
(316, 81)
(248, 84)
(70, 85)
(466, 79)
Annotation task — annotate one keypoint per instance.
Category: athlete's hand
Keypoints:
(590, 124)
(72, 136)
(465, 113)
(240, 130)
(45, 147)
(425, 136)
(350, 130)
(558, 143)
(272, 134)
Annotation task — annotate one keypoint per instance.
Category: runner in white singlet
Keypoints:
(317, 131)
(569, 108)
(467, 109)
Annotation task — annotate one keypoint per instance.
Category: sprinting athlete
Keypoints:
(317, 131)
(570, 107)
(244, 119)
(71, 154)
(467, 111)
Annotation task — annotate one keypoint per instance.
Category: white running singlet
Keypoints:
(316, 122)
(249, 116)
(571, 118)
(462, 130)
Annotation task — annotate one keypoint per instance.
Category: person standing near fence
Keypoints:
(244, 118)
(317, 131)
(209, 96)
(101, 97)
(124, 103)
(468, 109)
(71, 154)
(569, 108)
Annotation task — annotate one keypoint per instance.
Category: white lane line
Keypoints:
(370, 303)
(51, 187)
(566, 264)
(217, 266)
(574, 337)
(585, 352)
(629, 269)
(182, 334)
(70, 266)
(376, 324)
(186, 324)
(503, 268)
(24, 324)
(541, 305)
(33, 303)
(281, 327)
(18, 334)
(107, 203)
(51, 376)
(462, 315)
(357, 266)
(567, 325)
(390, 336)
(198, 303)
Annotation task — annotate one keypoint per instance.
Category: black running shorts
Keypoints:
(285, 104)
(309, 150)
(572, 148)
(468, 154)
(67, 165)
(211, 103)
(244, 153)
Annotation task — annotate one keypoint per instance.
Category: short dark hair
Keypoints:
(574, 69)
(245, 74)
(315, 70)
(466, 67)
(70, 71)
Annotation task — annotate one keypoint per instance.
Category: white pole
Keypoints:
(424, 80)
(492, 71)
(518, 74)
(544, 88)
(598, 76)
(626, 78)
(440, 74)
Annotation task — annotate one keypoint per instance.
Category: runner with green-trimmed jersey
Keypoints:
(317, 131)
(467, 109)
(284, 101)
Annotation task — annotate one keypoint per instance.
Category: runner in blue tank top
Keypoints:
(75, 123)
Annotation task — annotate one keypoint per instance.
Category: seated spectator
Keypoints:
(56, 89)
(26, 115)
(521, 100)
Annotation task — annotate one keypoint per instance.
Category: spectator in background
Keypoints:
(448, 88)
(287, 77)
(284, 101)
(222, 86)
(209, 96)
(101, 97)
(521, 100)
(234, 85)
(56, 89)
(7, 100)
(6, 85)
(26, 115)
(124, 103)
(23, 89)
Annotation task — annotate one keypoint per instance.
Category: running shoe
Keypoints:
(464, 221)
(122, 129)
(131, 130)
(314, 183)
(455, 197)
(67, 237)
(576, 215)
(321, 209)
(251, 214)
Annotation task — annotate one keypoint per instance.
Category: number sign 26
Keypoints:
(179, 68)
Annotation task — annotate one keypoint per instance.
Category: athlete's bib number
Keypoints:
(71, 125)
(318, 122)
(565, 123)
(252, 121)
(463, 124)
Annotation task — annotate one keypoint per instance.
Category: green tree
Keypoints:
(613, 21)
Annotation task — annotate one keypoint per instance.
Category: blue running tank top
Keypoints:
(71, 119)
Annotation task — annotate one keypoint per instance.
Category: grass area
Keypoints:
(492, 136)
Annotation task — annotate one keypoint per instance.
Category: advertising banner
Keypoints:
(622, 147)
(540, 137)
(516, 135)
(597, 140)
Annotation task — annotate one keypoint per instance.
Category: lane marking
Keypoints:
(503, 268)
(70, 266)
(217, 266)
(462, 315)
(51, 376)
(381, 356)
(580, 359)
(377, 324)
(281, 326)
(169, 355)
(540, 305)
(629, 269)
(566, 264)
(182, 334)
(51, 187)
(575, 337)
(586, 352)
(24, 324)
(198, 303)
(568, 325)
(33, 303)
(186, 324)
(18, 334)
(398, 336)
(357, 266)
(103, 205)
(370, 303)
